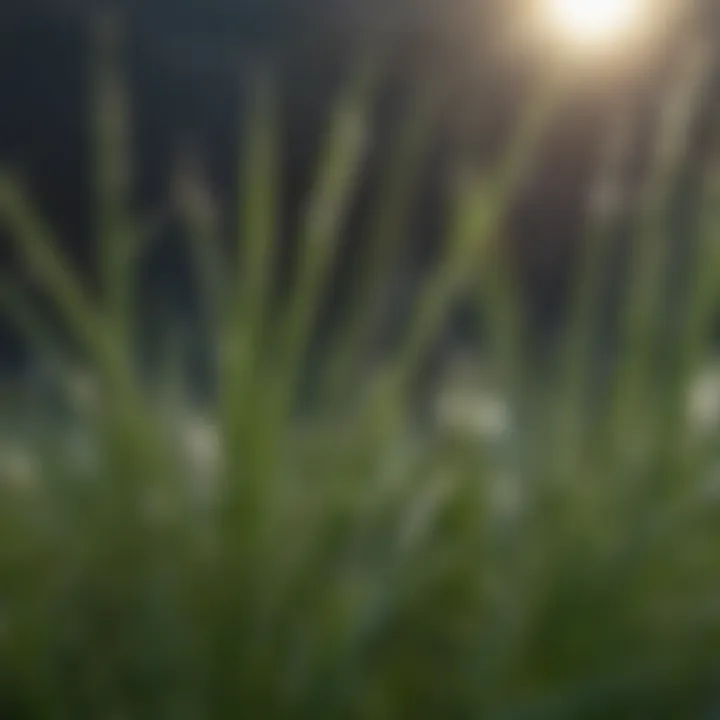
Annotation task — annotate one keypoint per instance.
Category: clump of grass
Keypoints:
(159, 560)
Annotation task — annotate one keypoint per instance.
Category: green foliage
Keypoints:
(162, 561)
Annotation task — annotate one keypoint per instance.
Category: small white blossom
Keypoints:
(202, 443)
(485, 417)
(703, 405)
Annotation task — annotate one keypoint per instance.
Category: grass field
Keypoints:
(532, 553)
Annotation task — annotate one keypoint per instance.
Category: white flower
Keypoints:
(484, 417)
(202, 442)
(703, 404)
(201, 452)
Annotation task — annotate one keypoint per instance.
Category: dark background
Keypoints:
(185, 60)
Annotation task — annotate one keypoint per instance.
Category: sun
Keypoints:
(595, 22)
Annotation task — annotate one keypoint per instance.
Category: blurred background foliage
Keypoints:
(480, 60)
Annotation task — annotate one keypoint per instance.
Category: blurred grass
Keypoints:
(163, 560)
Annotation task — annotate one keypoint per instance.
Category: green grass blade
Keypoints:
(331, 194)
(476, 220)
(245, 322)
(642, 316)
(112, 173)
(38, 249)
(383, 243)
(579, 342)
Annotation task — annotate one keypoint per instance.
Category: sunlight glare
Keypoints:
(595, 22)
